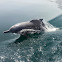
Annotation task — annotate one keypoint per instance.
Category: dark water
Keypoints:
(46, 47)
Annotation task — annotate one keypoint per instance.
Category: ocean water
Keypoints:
(44, 47)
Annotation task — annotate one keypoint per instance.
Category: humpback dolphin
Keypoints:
(32, 26)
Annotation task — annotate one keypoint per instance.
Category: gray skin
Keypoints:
(33, 24)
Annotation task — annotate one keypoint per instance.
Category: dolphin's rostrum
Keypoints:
(29, 26)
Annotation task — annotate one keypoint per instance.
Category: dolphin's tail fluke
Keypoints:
(40, 19)
(6, 31)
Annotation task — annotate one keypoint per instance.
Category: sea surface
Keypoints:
(43, 47)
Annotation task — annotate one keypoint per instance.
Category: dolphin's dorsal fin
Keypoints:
(35, 20)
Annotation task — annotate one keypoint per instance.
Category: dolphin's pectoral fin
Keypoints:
(28, 31)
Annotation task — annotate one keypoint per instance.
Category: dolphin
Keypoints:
(27, 27)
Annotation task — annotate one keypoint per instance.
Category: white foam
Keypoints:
(49, 27)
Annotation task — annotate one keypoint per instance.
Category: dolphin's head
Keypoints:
(13, 29)
(7, 31)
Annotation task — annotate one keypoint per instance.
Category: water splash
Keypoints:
(49, 27)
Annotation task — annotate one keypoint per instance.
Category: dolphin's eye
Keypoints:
(22, 32)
